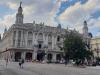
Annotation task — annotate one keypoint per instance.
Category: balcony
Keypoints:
(40, 40)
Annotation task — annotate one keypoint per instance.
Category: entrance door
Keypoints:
(17, 56)
(58, 57)
(28, 56)
(40, 55)
(49, 57)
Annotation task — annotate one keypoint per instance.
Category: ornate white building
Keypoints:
(30, 40)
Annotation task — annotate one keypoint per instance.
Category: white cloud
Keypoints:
(7, 21)
(45, 10)
(76, 14)
(12, 5)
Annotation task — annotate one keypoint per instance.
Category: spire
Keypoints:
(20, 4)
(20, 10)
(85, 26)
(19, 15)
(85, 29)
(5, 30)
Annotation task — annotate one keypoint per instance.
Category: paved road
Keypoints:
(46, 69)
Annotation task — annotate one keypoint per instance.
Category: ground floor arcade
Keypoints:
(31, 55)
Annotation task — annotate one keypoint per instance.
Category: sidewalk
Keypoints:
(2, 65)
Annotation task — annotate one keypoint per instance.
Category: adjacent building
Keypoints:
(95, 46)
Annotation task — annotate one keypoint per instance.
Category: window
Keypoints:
(58, 38)
(40, 46)
(18, 43)
(29, 43)
(19, 35)
(14, 35)
(50, 45)
(30, 35)
(40, 37)
(13, 42)
(49, 38)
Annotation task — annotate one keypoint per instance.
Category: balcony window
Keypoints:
(29, 43)
(30, 35)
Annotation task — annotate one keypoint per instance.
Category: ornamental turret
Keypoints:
(19, 15)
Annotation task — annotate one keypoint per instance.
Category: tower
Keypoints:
(0, 37)
(19, 15)
(59, 26)
(85, 29)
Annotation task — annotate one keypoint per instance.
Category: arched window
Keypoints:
(40, 37)
(49, 37)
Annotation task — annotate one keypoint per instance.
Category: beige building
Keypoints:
(95, 46)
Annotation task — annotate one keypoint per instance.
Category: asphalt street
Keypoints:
(46, 69)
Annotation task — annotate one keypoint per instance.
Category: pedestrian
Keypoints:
(6, 62)
(21, 62)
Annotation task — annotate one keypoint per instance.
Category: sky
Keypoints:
(69, 13)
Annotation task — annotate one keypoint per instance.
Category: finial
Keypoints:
(20, 3)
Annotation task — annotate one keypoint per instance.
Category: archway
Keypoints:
(40, 55)
(17, 56)
(49, 57)
(28, 56)
(58, 57)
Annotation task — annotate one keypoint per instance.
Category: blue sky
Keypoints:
(70, 13)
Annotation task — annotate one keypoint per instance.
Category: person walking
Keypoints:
(21, 62)
(6, 61)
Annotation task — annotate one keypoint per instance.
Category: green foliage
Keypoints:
(74, 47)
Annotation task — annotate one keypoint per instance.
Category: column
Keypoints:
(33, 40)
(44, 40)
(23, 55)
(13, 55)
(26, 37)
(34, 57)
(21, 43)
(53, 42)
(16, 40)
(47, 39)
(54, 57)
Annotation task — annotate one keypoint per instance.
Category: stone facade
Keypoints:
(29, 40)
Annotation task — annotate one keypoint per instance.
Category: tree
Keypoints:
(75, 48)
